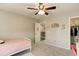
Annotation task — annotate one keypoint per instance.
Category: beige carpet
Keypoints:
(42, 49)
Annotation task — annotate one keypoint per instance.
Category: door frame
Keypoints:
(70, 25)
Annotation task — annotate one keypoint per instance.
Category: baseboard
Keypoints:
(56, 45)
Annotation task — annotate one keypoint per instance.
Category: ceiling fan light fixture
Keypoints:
(41, 9)
(41, 12)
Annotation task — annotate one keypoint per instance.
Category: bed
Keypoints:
(13, 46)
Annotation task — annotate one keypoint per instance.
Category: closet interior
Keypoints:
(74, 35)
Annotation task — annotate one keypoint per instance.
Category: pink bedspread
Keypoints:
(13, 45)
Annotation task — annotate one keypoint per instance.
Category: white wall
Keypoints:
(14, 25)
(57, 36)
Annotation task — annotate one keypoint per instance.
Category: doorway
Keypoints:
(40, 34)
(74, 34)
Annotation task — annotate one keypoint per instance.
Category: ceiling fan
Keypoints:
(42, 9)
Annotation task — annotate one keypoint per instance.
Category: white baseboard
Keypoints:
(56, 45)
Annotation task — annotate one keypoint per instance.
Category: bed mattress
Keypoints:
(12, 46)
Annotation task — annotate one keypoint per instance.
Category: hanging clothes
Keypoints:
(78, 31)
(72, 31)
(75, 31)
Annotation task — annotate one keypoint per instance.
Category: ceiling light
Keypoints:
(41, 12)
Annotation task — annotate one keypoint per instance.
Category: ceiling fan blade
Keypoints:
(46, 13)
(50, 8)
(32, 8)
(36, 13)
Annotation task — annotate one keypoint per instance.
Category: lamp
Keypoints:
(41, 12)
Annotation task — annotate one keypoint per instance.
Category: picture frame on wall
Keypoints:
(54, 25)
(63, 26)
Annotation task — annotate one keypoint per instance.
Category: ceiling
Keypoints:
(20, 8)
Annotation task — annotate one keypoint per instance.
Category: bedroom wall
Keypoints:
(58, 36)
(14, 25)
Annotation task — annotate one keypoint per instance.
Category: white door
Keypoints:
(37, 32)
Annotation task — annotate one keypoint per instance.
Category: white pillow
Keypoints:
(1, 41)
